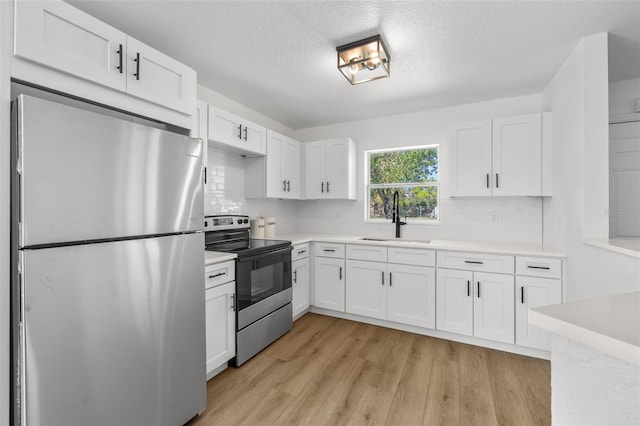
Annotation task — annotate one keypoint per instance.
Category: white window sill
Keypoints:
(380, 222)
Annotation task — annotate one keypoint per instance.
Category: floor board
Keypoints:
(330, 371)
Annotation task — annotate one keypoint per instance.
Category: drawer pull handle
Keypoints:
(322, 187)
(295, 276)
(382, 277)
(219, 274)
(246, 129)
(522, 295)
(478, 289)
(341, 272)
(288, 185)
(487, 180)
(329, 250)
(233, 302)
(546, 268)
(497, 185)
(475, 262)
(468, 288)
(240, 131)
(390, 279)
(302, 251)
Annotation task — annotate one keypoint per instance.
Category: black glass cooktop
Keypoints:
(249, 247)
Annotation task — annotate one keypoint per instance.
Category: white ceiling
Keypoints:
(279, 57)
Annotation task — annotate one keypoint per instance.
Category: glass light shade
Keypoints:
(364, 60)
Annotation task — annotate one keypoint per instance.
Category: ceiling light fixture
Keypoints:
(364, 60)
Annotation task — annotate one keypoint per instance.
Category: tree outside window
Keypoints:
(413, 172)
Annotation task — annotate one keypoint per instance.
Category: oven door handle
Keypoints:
(262, 255)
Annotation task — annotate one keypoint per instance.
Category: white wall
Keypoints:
(571, 95)
(622, 96)
(520, 219)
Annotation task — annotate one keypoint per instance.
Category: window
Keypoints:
(413, 172)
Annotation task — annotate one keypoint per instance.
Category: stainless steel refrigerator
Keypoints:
(107, 270)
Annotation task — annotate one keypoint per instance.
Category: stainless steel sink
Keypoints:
(396, 240)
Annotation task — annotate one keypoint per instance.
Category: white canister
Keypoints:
(257, 228)
(270, 227)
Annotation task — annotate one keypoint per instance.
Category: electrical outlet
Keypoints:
(493, 218)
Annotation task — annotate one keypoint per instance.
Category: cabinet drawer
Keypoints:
(300, 251)
(539, 267)
(219, 273)
(329, 250)
(476, 261)
(371, 253)
(411, 256)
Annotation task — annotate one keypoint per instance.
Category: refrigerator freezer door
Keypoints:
(86, 176)
(114, 332)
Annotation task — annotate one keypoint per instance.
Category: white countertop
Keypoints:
(211, 257)
(474, 246)
(608, 324)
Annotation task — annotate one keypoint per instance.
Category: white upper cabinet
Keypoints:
(500, 157)
(154, 76)
(470, 158)
(517, 155)
(277, 175)
(56, 44)
(233, 133)
(58, 35)
(330, 169)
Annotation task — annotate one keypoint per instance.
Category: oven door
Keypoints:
(263, 284)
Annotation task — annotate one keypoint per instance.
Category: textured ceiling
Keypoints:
(279, 57)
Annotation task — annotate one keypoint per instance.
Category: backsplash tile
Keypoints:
(224, 191)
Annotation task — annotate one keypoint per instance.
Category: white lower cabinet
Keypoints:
(301, 286)
(329, 277)
(399, 293)
(476, 304)
(220, 325)
(412, 295)
(532, 293)
(366, 290)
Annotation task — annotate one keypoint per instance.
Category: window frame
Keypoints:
(368, 186)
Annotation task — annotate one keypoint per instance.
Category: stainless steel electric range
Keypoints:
(263, 283)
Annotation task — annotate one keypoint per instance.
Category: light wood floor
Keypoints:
(329, 371)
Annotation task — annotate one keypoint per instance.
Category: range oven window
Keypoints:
(261, 276)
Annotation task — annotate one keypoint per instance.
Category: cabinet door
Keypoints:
(533, 293)
(254, 137)
(517, 155)
(301, 288)
(314, 164)
(290, 167)
(220, 325)
(470, 158)
(329, 278)
(156, 77)
(366, 289)
(60, 36)
(337, 168)
(276, 183)
(454, 301)
(412, 295)
(224, 127)
(493, 311)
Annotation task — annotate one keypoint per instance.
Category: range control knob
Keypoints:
(246, 221)
(239, 221)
